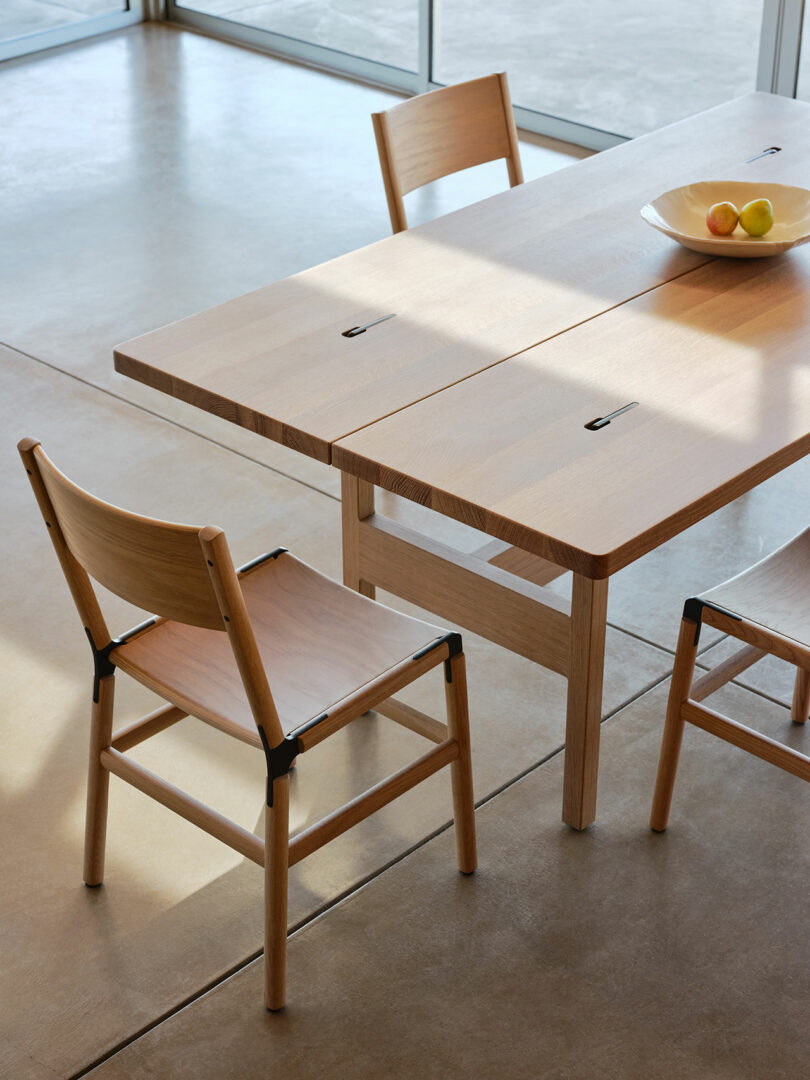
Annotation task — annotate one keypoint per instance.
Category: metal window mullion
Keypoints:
(428, 11)
(780, 45)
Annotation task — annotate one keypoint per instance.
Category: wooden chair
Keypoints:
(768, 607)
(441, 132)
(219, 639)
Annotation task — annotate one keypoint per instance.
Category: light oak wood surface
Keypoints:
(291, 608)
(718, 363)
(466, 290)
(774, 592)
(443, 131)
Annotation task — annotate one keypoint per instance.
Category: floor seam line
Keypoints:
(256, 954)
(159, 416)
(342, 897)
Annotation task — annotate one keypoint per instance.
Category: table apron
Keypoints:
(525, 618)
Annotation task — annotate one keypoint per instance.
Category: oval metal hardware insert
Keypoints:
(770, 150)
(355, 330)
(603, 421)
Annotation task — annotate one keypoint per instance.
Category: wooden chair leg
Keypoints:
(276, 868)
(680, 686)
(458, 725)
(98, 783)
(801, 697)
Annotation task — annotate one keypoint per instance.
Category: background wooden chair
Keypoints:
(331, 653)
(768, 607)
(441, 132)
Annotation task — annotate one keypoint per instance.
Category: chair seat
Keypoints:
(775, 593)
(320, 642)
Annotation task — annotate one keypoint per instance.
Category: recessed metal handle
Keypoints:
(603, 421)
(355, 330)
(770, 150)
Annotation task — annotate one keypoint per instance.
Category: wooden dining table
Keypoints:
(542, 366)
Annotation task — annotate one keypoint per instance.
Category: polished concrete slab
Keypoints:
(770, 676)
(617, 952)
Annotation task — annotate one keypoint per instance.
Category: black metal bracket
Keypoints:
(454, 645)
(261, 559)
(102, 664)
(693, 611)
(279, 759)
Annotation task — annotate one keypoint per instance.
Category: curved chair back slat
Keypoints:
(443, 131)
(155, 565)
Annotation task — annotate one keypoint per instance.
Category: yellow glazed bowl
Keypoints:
(681, 214)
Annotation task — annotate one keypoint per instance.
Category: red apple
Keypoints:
(722, 218)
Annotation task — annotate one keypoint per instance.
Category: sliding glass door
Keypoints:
(621, 66)
(383, 33)
(28, 26)
(594, 72)
(377, 41)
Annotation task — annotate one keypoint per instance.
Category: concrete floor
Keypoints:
(150, 174)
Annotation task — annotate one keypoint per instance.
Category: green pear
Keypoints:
(756, 217)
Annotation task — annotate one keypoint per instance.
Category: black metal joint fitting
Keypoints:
(454, 646)
(261, 559)
(102, 664)
(693, 611)
(279, 759)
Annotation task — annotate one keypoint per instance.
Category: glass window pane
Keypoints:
(625, 66)
(387, 33)
(21, 17)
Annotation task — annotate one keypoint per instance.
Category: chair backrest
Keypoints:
(154, 565)
(443, 131)
(177, 572)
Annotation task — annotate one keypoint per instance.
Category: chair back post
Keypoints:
(81, 588)
(240, 633)
(513, 164)
(393, 194)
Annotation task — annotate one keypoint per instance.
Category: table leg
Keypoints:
(356, 503)
(584, 715)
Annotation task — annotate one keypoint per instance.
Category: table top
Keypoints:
(718, 366)
(466, 291)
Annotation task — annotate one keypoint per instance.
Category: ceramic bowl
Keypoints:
(681, 214)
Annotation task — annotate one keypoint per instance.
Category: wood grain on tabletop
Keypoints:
(719, 362)
(467, 290)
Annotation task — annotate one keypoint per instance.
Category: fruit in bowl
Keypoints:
(756, 217)
(722, 218)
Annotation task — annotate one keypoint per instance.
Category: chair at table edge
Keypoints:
(788, 569)
(229, 614)
(448, 147)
